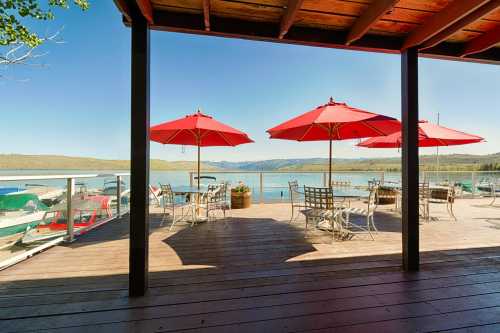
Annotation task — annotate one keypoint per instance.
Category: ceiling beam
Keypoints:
(289, 16)
(146, 9)
(452, 13)
(369, 17)
(192, 23)
(460, 24)
(206, 14)
(482, 43)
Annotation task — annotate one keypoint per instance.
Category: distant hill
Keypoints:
(427, 162)
(26, 162)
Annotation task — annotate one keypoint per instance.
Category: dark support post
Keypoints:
(409, 116)
(139, 179)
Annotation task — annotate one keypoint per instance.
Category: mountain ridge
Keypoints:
(428, 162)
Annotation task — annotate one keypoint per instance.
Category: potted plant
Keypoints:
(241, 196)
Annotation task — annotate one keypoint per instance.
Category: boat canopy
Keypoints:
(17, 201)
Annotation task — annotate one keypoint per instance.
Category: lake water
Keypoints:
(275, 185)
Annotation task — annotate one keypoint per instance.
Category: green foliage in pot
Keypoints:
(241, 188)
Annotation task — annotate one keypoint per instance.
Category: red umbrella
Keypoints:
(429, 135)
(335, 121)
(198, 130)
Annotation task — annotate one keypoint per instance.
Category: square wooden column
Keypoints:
(410, 173)
(139, 168)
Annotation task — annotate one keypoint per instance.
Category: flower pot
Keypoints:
(241, 200)
(386, 195)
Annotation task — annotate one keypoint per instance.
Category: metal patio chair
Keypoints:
(367, 213)
(424, 195)
(170, 205)
(320, 207)
(296, 199)
(215, 199)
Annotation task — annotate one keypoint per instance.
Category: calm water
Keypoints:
(275, 184)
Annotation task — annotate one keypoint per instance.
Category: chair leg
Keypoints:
(305, 230)
(368, 226)
(372, 218)
(173, 219)
(291, 218)
(332, 224)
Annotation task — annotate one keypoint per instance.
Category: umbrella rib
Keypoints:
(173, 136)
(225, 139)
(373, 128)
(326, 129)
(306, 132)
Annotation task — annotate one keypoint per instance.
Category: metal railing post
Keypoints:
(69, 210)
(118, 196)
(324, 180)
(261, 187)
(190, 178)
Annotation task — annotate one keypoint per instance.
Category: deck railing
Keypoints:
(259, 180)
(70, 189)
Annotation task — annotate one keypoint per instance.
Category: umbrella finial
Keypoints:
(331, 100)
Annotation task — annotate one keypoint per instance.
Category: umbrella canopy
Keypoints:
(429, 135)
(335, 121)
(198, 130)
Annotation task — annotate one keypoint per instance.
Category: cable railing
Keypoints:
(272, 186)
(40, 211)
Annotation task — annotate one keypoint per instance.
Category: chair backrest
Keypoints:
(318, 197)
(293, 187)
(167, 193)
(373, 183)
(424, 191)
(372, 202)
(217, 192)
(451, 194)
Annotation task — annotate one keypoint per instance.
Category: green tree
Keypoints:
(17, 39)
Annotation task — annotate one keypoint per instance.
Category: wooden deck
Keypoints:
(257, 273)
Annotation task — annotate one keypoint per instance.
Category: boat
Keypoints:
(87, 211)
(19, 212)
(48, 195)
(488, 188)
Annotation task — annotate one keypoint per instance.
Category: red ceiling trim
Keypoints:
(146, 9)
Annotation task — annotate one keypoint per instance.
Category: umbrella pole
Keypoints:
(330, 166)
(198, 167)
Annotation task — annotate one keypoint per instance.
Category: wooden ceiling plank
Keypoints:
(370, 16)
(462, 23)
(206, 14)
(483, 42)
(289, 16)
(146, 9)
(452, 13)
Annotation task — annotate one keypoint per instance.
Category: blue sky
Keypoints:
(80, 104)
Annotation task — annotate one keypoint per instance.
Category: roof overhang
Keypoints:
(446, 34)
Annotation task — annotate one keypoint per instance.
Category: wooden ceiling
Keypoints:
(467, 30)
